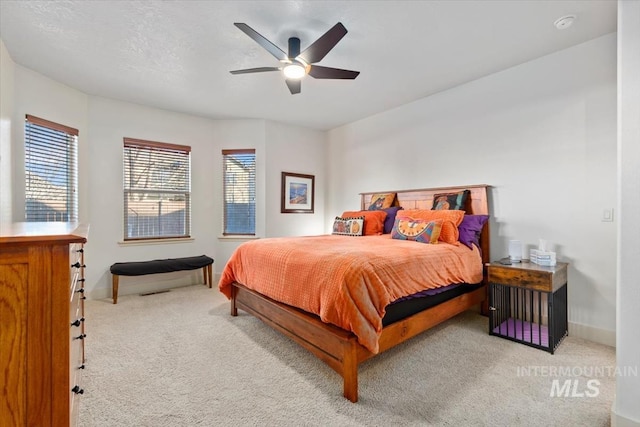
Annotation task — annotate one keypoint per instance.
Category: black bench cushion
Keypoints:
(160, 266)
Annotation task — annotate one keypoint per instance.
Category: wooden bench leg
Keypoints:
(114, 286)
(206, 273)
(210, 270)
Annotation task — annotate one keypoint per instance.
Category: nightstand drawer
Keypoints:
(530, 276)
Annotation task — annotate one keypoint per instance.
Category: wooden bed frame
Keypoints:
(339, 348)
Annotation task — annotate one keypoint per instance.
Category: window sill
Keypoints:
(155, 241)
(238, 237)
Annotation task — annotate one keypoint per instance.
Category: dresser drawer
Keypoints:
(76, 369)
(76, 252)
(76, 365)
(76, 332)
(76, 292)
(76, 356)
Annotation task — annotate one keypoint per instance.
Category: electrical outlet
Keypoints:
(607, 215)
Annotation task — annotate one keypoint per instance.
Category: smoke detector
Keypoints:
(564, 22)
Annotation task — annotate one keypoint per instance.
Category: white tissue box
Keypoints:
(543, 258)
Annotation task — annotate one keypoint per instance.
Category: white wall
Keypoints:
(230, 134)
(45, 98)
(7, 123)
(542, 134)
(110, 121)
(626, 411)
(297, 150)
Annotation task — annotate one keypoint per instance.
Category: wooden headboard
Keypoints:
(423, 199)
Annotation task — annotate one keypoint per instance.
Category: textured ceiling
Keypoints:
(177, 55)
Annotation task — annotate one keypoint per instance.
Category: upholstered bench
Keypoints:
(169, 265)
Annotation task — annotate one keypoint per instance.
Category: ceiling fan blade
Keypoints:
(320, 72)
(255, 70)
(262, 41)
(294, 85)
(324, 44)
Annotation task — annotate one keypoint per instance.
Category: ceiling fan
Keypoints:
(297, 64)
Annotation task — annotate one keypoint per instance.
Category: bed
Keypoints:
(339, 341)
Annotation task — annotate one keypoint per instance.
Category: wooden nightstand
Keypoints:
(528, 303)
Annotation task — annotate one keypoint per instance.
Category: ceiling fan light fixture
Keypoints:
(295, 64)
(294, 71)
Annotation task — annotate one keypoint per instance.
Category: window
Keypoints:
(157, 190)
(239, 169)
(51, 171)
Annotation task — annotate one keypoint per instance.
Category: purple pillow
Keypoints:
(470, 229)
(390, 219)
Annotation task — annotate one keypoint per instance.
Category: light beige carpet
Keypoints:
(180, 359)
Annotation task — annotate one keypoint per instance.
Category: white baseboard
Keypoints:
(590, 333)
(618, 420)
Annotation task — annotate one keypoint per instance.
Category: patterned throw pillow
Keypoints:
(373, 220)
(418, 230)
(381, 201)
(451, 221)
(348, 226)
(451, 201)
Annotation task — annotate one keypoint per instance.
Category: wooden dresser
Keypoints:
(42, 323)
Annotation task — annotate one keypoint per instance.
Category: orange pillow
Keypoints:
(373, 220)
(451, 221)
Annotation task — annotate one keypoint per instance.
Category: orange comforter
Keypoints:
(348, 281)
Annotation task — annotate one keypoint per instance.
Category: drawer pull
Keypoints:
(77, 390)
(81, 366)
(492, 308)
(80, 337)
(77, 265)
(81, 280)
(81, 250)
(78, 322)
(81, 290)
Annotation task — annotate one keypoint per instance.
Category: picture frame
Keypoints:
(298, 193)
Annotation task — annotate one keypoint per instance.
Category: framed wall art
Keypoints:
(297, 193)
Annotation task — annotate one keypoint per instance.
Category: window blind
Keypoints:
(239, 178)
(51, 171)
(157, 190)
